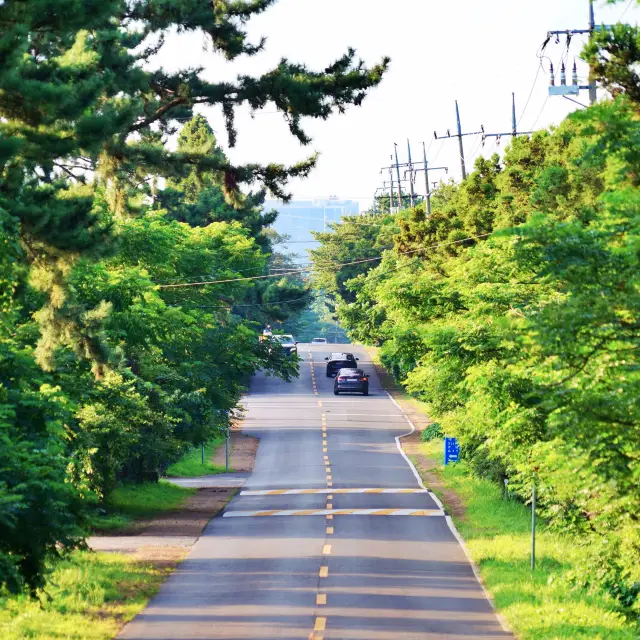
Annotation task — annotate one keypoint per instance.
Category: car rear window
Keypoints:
(343, 363)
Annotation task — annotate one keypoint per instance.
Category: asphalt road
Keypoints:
(304, 551)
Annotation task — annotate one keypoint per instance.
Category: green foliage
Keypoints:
(91, 596)
(190, 465)
(147, 500)
(109, 373)
(512, 312)
(432, 432)
(564, 597)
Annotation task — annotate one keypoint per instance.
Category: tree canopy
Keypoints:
(113, 360)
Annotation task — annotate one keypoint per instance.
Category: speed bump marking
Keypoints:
(335, 512)
(293, 492)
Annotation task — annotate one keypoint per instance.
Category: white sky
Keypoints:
(475, 52)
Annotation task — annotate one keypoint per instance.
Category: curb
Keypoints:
(448, 518)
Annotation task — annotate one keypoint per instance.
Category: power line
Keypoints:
(236, 306)
(306, 270)
(533, 86)
(364, 224)
(533, 126)
(622, 15)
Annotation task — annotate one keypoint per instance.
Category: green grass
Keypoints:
(130, 502)
(537, 606)
(190, 465)
(91, 596)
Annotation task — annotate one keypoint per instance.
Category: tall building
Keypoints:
(300, 217)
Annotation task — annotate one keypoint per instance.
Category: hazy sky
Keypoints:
(475, 52)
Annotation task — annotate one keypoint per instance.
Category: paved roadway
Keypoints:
(336, 564)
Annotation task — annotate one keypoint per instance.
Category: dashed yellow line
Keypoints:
(321, 598)
(324, 572)
(326, 550)
(329, 531)
(320, 625)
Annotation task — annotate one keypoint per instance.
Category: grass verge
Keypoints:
(541, 605)
(131, 502)
(89, 597)
(190, 465)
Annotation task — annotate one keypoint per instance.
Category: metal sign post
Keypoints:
(226, 449)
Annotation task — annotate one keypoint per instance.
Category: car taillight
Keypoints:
(341, 378)
(364, 379)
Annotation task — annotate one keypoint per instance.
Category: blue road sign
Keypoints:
(451, 450)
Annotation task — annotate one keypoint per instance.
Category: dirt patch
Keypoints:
(428, 468)
(242, 452)
(191, 518)
(165, 558)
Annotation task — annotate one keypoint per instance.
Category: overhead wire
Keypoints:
(533, 126)
(333, 265)
(624, 13)
(235, 306)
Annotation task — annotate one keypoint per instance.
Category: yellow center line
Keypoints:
(329, 531)
(321, 598)
(326, 550)
(330, 517)
(329, 497)
(329, 477)
(321, 624)
(324, 450)
(324, 572)
(329, 505)
(324, 443)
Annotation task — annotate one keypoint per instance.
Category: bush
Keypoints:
(432, 432)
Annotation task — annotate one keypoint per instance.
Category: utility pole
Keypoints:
(514, 125)
(574, 88)
(464, 171)
(426, 177)
(410, 173)
(593, 91)
(460, 135)
(482, 132)
(395, 147)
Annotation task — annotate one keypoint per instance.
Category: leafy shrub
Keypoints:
(432, 432)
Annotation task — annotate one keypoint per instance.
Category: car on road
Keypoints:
(287, 342)
(351, 381)
(319, 341)
(337, 361)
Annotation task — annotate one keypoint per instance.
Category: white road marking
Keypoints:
(293, 492)
(334, 512)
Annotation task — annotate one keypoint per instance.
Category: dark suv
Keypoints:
(337, 361)
(351, 380)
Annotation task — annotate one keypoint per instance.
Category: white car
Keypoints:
(319, 341)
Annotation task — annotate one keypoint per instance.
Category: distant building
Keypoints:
(298, 218)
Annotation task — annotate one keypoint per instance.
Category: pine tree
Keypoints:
(80, 115)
